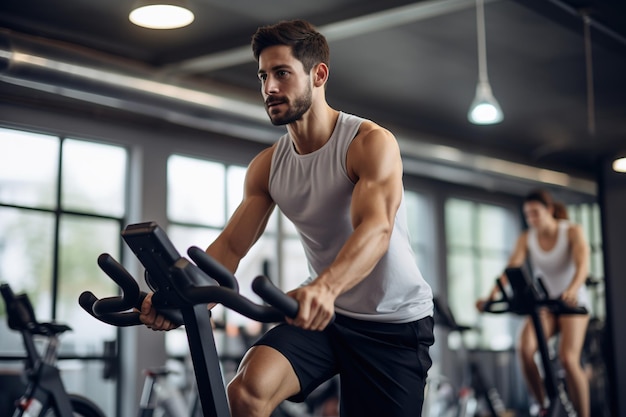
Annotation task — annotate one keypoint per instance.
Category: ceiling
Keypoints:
(410, 66)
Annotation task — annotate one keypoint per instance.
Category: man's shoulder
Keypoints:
(264, 158)
(370, 132)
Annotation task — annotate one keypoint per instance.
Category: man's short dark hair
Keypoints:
(307, 44)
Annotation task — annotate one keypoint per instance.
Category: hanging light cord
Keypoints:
(482, 47)
(591, 117)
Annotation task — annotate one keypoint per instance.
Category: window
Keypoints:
(421, 230)
(62, 203)
(479, 239)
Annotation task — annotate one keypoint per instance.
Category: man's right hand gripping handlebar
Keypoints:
(206, 282)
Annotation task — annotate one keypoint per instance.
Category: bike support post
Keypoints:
(205, 361)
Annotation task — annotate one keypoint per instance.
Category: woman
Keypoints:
(559, 254)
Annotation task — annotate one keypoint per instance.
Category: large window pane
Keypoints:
(26, 253)
(421, 230)
(479, 239)
(82, 241)
(26, 265)
(494, 231)
(459, 222)
(184, 237)
(461, 287)
(28, 169)
(195, 191)
(235, 176)
(93, 178)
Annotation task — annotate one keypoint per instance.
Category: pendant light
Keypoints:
(161, 14)
(619, 165)
(485, 108)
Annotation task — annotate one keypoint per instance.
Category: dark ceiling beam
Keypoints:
(603, 19)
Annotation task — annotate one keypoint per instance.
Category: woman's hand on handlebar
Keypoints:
(317, 307)
(570, 297)
(151, 318)
(481, 303)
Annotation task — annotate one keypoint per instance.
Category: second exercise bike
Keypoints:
(526, 298)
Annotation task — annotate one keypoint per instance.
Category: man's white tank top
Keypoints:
(314, 191)
(555, 267)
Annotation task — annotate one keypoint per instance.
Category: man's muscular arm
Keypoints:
(375, 165)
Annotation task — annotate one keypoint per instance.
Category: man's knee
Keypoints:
(244, 401)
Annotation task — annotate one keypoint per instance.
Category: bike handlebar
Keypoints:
(215, 269)
(526, 295)
(128, 285)
(556, 306)
(187, 285)
(204, 295)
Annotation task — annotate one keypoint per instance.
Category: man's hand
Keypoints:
(317, 306)
(149, 316)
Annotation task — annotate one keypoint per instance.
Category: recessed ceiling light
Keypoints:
(167, 14)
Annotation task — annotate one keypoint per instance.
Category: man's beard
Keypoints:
(294, 111)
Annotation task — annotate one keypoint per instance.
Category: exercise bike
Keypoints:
(474, 390)
(45, 393)
(182, 291)
(526, 299)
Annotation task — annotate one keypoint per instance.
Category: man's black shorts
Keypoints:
(382, 366)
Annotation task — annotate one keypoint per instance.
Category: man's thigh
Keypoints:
(309, 353)
(264, 373)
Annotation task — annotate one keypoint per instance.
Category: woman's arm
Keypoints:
(580, 256)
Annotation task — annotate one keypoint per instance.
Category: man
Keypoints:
(338, 178)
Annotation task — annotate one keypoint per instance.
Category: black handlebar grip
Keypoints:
(87, 301)
(274, 296)
(496, 306)
(502, 289)
(130, 289)
(560, 307)
(173, 315)
(213, 268)
(7, 293)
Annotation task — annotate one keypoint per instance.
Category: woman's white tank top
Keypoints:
(556, 266)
